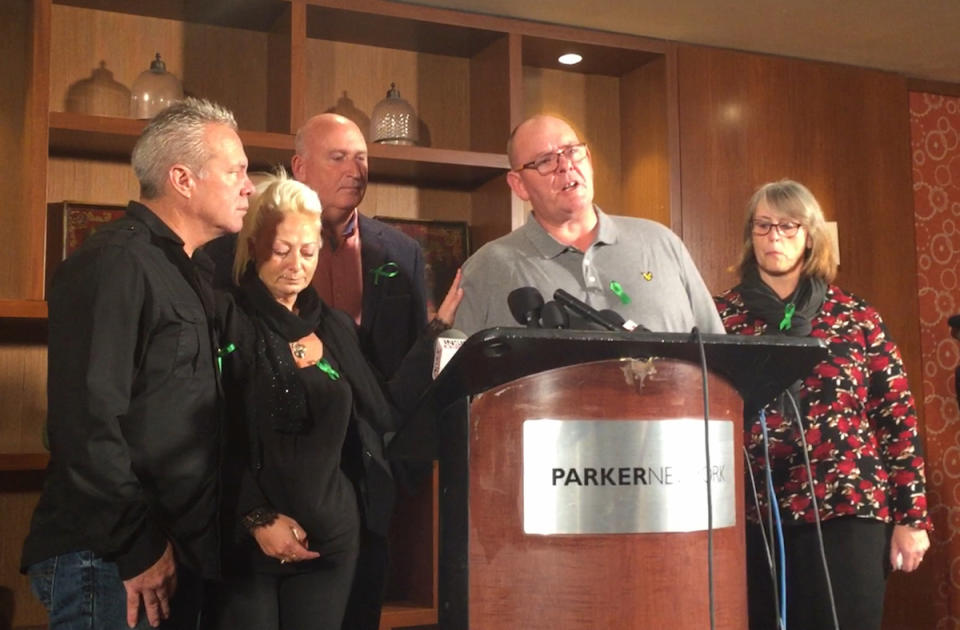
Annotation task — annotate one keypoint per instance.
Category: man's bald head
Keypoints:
(331, 158)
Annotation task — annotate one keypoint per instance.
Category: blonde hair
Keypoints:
(276, 196)
(794, 200)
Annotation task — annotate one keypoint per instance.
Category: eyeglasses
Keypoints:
(550, 162)
(787, 229)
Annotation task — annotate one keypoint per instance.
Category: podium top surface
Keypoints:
(759, 367)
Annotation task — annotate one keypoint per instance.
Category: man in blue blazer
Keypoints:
(373, 272)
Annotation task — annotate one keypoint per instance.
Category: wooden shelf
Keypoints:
(401, 615)
(111, 137)
(23, 309)
(388, 25)
(108, 137)
(437, 168)
(542, 52)
(16, 462)
(255, 15)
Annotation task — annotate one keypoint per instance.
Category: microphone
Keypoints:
(446, 345)
(525, 304)
(582, 309)
(607, 320)
(553, 316)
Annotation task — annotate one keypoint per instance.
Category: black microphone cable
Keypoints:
(816, 510)
(704, 374)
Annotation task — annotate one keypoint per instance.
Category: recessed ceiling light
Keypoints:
(570, 59)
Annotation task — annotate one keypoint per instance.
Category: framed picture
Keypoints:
(445, 245)
(69, 223)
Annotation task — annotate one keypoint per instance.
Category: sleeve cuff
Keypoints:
(143, 553)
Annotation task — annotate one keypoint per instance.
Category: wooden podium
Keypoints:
(573, 487)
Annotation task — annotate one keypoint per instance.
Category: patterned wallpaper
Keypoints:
(935, 144)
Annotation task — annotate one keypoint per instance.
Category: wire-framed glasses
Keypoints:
(549, 162)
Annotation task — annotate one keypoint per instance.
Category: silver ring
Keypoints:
(283, 560)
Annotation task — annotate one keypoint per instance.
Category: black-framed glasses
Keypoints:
(549, 162)
(787, 229)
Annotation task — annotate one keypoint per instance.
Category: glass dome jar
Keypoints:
(393, 120)
(153, 90)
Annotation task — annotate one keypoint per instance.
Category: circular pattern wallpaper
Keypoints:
(935, 145)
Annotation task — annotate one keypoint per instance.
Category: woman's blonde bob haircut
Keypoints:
(276, 196)
(794, 200)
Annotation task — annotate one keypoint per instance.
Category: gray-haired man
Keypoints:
(126, 528)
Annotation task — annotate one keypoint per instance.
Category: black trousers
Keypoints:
(369, 584)
(314, 600)
(857, 553)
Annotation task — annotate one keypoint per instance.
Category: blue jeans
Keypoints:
(83, 592)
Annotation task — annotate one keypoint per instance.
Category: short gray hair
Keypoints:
(176, 135)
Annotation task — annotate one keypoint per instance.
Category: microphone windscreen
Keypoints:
(552, 315)
(525, 304)
(446, 345)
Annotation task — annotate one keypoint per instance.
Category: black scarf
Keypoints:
(807, 300)
(280, 399)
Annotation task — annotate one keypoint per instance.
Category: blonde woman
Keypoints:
(305, 469)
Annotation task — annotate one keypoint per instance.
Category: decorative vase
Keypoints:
(153, 90)
(393, 120)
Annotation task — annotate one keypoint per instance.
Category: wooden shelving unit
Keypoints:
(470, 78)
(23, 461)
(23, 309)
(110, 138)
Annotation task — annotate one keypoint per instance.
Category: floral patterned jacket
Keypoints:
(859, 421)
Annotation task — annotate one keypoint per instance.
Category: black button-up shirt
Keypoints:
(134, 402)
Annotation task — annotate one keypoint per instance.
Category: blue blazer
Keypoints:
(394, 309)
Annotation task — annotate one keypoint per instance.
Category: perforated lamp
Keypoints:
(393, 120)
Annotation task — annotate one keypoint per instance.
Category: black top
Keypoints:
(394, 309)
(299, 441)
(133, 403)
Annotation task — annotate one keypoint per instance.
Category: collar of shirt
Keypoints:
(197, 270)
(351, 230)
(162, 231)
(156, 226)
(549, 247)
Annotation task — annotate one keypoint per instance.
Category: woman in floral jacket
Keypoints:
(859, 430)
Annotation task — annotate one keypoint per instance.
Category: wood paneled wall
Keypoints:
(746, 119)
(15, 21)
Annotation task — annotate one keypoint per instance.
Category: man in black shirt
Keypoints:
(126, 525)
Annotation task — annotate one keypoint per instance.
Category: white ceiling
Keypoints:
(916, 38)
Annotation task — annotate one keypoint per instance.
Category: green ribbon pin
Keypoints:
(787, 320)
(222, 352)
(619, 292)
(386, 270)
(329, 369)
